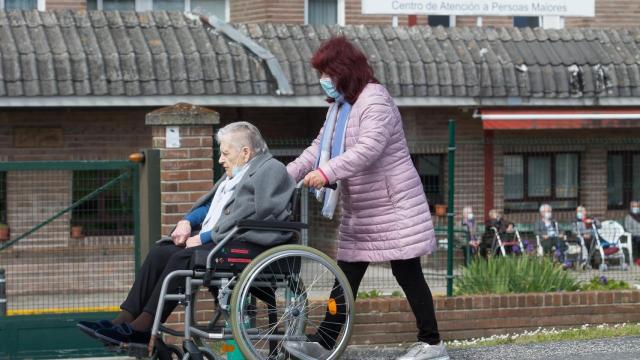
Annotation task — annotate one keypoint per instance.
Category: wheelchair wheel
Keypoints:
(167, 352)
(294, 287)
(205, 356)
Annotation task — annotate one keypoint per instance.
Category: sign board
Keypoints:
(580, 8)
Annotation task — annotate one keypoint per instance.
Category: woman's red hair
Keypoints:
(346, 65)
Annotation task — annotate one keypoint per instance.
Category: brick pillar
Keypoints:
(184, 135)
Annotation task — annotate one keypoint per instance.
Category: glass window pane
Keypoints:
(323, 12)
(430, 171)
(567, 175)
(539, 176)
(207, 7)
(20, 4)
(122, 5)
(439, 20)
(526, 21)
(636, 177)
(168, 5)
(615, 179)
(3, 197)
(513, 177)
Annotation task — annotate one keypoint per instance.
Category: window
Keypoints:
(533, 179)
(108, 213)
(623, 179)
(3, 197)
(526, 21)
(111, 5)
(219, 8)
(324, 12)
(442, 20)
(431, 172)
(22, 4)
(547, 22)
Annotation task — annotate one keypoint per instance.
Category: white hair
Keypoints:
(466, 210)
(249, 136)
(544, 207)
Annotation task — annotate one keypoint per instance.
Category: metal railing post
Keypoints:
(450, 210)
(3, 294)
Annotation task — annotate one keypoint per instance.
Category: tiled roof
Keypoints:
(77, 53)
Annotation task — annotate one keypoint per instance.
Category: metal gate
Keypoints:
(71, 253)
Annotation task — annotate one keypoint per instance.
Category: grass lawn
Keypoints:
(584, 332)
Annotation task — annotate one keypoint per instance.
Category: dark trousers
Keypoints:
(408, 274)
(162, 259)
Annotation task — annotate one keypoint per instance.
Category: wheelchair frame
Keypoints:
(226, 283)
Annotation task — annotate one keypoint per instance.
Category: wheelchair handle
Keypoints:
(300, 185)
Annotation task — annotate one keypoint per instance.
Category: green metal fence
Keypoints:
(71, 253)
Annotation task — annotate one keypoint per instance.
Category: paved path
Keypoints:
(627, 348)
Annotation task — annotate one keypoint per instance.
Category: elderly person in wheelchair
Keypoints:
(255, 187)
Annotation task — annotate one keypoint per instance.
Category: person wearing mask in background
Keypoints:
(632, 225)
(469, 222)
(546, 229)
(504, 227)
(584, 226)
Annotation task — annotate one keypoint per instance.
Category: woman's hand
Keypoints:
(182, 232)
(194, 241)
(315, 179)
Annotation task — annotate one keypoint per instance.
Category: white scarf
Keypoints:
(223, 194)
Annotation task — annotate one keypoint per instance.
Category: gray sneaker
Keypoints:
(424, 351)
(306, 350)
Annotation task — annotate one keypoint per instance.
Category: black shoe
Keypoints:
(90, 327)
(123, 334)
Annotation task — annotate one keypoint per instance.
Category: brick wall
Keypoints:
(389, 320)
(87, 134)
(609, 13)
(277, 11)
(66, 4)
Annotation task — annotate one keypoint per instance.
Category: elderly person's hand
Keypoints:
(194, 241)
(182, 232)
(315, 179)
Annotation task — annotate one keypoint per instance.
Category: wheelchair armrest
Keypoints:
(164, 239)
(271, 225)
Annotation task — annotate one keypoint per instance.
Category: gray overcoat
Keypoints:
(264, 193)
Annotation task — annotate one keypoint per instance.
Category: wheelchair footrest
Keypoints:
(133, 350)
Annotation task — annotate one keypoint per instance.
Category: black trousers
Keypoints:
(162, 259)
(408, 274)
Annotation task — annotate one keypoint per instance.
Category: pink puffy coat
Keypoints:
(384, 209)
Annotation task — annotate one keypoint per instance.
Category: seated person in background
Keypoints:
(632, 225)
(504, 227)
(255, 186)
(584, 226)
(546, 228)
(469, 222)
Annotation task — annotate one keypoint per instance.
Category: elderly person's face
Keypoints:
(581, 213)
(232, 154)
(546, 213)
(634, 206)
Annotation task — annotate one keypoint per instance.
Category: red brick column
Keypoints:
(186, 165)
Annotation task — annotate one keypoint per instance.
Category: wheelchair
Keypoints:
(280, 296)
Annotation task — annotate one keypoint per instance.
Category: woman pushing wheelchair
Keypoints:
(256, 186)
(385, 217)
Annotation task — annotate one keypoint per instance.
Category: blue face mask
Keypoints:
(329, 89)
(237, 169)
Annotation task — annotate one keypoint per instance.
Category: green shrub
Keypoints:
(397, 293)
(521, 274)
(371, 294)
(602, 283)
